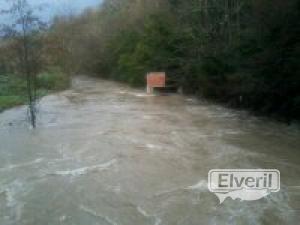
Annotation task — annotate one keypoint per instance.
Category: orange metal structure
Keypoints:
(155, 79)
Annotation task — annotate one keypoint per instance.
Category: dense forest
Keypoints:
(241, 53)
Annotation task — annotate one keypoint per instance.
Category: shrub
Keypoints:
(53, 79)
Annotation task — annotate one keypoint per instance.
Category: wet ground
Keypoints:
(107, 154)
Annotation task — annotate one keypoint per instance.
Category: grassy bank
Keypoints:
(13, 87)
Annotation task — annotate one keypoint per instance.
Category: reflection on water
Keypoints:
(104, 153)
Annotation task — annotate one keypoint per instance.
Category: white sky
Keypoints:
(54, 7)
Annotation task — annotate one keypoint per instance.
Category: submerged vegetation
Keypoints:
(241, 53)
(13, 90)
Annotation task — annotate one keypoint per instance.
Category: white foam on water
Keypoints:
(15, 206)
(140, 95)
(143, 212)
(192, 100)
(115, 189)
(189, 99)
(16, 166)
(276, 203)
(157, 221)
(62, 218)
(95, 214)
(153, 147)
(11, 191)
(200, 186)
(85, 170)
(168, 192)
(147, 117)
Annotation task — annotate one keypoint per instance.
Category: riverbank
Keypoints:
(13, 87)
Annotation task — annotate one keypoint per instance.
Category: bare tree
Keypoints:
(23, 29)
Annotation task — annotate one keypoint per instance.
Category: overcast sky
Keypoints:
(53, 7)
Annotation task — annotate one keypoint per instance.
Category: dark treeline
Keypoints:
(239, 52)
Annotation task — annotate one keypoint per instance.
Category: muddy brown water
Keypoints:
(107, 154)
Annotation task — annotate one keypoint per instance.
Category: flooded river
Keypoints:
(107, 154)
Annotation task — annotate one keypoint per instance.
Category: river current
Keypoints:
(107, 154)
